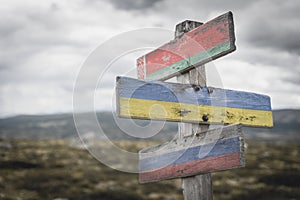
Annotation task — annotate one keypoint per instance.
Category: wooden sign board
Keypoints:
(220, 149)
(196, 47)
(186, 103)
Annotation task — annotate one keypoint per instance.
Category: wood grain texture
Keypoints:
(197, 187)
(191, 103)
(218, 149)
(194, 48)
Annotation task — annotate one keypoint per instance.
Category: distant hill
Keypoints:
(286, 127)
(62, 126)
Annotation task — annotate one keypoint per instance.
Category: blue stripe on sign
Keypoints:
(226, 146)
(170, 92)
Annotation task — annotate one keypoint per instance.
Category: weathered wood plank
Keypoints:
(222, 149)
(191, 103)
(196, 47)
(197, 187)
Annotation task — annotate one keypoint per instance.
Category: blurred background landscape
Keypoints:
(43, 158)
(61, 126)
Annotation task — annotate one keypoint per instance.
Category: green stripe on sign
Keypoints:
(203, 57)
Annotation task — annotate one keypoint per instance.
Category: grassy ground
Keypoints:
(52, 169)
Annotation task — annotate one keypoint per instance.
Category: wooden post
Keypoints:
(197, 187)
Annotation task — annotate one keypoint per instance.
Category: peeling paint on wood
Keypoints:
(217, 150)
(194, 48)
(182, 103)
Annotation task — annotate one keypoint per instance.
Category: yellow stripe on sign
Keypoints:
(171, 111)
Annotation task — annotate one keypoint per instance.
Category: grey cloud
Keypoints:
(134, 4)
(223, 5)
(275, 26)
(54, 7)
(267, 57)
(30, 32)
(30, 41)
(36, 27)
(7, 29)
(280, 37)
(293, 79)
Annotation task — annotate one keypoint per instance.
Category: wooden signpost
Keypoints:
(191, 103)
(194, 48)
(222, 149)
(197, 150)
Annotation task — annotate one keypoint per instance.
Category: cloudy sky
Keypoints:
(45, 44)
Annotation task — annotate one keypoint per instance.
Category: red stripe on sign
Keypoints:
(217, 163)
(140, 68)
(206, 36)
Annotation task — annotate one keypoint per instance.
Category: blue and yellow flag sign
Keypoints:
(191, 103)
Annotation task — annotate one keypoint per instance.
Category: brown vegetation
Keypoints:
(52, 169)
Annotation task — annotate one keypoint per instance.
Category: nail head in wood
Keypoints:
(205, 118)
